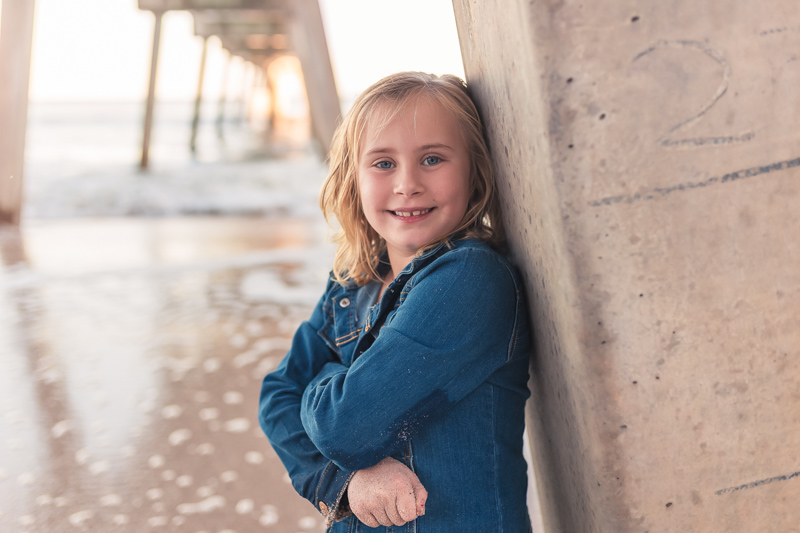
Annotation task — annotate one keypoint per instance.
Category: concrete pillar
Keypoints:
(268, 85)
(16, 38)
(151, 92)
(198, 100)
(244, 91)
(308, 40)
(257, 73)
(223, 96)
(648, 155)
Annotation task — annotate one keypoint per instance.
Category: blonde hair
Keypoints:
(360, 246)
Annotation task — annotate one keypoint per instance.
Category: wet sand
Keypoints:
(132, 352)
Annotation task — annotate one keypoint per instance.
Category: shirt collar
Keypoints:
(384, 266)
(423, 258)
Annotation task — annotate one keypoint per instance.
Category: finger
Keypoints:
(368, 519)
(381, 516)
(406, 507)
(420, 495)
(363, 514)
(394, 515)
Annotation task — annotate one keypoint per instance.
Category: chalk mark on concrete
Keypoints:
(702, 141)
(713, 54)
(660, 192)
(759, 483)
(698, 142)
(782, 29)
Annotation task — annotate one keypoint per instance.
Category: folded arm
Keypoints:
(313, 475)
(454, 330)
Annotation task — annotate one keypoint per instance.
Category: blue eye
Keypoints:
(384, 165)
(432, 160)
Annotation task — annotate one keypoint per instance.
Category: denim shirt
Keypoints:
(434, 375)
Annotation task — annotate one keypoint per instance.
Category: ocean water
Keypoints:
(82, 159)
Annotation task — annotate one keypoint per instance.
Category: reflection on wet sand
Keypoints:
(132, 353)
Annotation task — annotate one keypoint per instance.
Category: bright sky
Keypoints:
(88, 50)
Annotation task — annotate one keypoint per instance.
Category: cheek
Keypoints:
(365, 195)
(363, 188)
(465, 190)
(371, 203)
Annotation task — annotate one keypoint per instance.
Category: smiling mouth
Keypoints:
(411, 213)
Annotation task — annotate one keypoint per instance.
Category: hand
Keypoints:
(386, 494)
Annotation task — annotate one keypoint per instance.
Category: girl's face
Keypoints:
(413, 178)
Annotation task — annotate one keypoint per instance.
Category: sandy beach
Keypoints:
(138, 315)
(133, 351)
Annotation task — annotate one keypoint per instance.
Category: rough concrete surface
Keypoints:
(649, 160)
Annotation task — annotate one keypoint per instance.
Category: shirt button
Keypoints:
(344, 302)
(323, 508)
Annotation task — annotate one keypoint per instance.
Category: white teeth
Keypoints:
(410, 213)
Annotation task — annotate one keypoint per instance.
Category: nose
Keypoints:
(408, 182)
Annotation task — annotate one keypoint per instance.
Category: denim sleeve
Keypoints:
(456, 327)
(314, 476)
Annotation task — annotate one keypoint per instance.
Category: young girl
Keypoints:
(400, 404)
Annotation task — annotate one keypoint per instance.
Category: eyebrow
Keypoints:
(379, 151)
(436, 145)
(432, 146)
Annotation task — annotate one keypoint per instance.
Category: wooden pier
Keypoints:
(258, 31)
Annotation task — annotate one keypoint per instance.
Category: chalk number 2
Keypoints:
(671, 138)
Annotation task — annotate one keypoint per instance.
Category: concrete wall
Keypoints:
(649, 159)
(16, 36)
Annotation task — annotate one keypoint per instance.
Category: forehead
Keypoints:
(418, 118)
